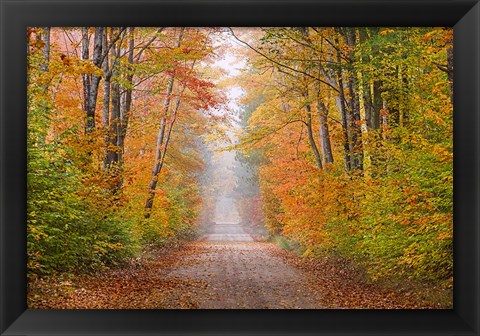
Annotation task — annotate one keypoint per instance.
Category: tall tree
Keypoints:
(91, 79)
(162, 143)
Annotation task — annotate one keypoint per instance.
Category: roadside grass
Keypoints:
(286, 244)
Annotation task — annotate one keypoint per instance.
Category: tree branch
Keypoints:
(280, 64)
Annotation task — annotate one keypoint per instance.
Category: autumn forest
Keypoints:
(184, 167)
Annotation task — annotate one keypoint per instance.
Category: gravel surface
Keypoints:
(241, 273)
(245, 275)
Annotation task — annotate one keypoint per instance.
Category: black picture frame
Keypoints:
(15, 16)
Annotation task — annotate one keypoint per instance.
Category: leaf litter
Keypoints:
(214, 275)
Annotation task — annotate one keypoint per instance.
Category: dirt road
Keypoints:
(226, 232)
(224, 269)
(245, 275)
(241, 273)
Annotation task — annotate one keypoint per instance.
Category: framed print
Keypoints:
(239, 167)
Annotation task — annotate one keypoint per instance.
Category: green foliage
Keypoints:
(173, 219)
(393, 216)
(64, 231)
(286, 244)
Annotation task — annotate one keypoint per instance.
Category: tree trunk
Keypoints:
(106, 85)
(45, 36)
(158, 163)
(126, 108)
(170, 128)
(91, 81)
(377, 104)
(363, 117)
(115, 96)
(322, 111)
(324, 133)
(366, 97)
(107, 75)
(311, 137)
(114, 121)
(125, 115)
(340, 100)
(356, 136)
(365, 94)
(384, 119)
(160, 150)
(86, 77)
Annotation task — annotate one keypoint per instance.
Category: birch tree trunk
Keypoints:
(356, 133)
(340, 101)
(363, 117)
(45, 36)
